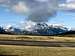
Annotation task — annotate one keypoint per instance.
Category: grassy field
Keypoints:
(36, 51)
(37, 38)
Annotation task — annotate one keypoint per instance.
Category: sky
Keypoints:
(66, 19)
(14, 13)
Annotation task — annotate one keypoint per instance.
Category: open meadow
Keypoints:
(10, 50)
(69, 38)
(14, 50)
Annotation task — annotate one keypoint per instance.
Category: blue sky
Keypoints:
(10, 18)
(66, 18)
(62, 17)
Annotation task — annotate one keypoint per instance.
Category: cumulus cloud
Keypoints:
(41, 11)
(42, 0)
(68, 6)
(5, 1)
(70, 1)
(20, 8)
(36, 10)
(2, 1)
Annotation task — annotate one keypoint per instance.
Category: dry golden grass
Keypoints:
(36, 51)
(37, 38)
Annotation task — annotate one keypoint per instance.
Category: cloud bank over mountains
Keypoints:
(22, 6)
(36, 10)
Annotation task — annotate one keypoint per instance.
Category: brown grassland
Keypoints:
(38, 38)
(36, 50)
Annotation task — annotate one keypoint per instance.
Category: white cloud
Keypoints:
(34, 9)
(2, 1)
(69, 6)
(70, 1)
(42, 0)
(20, 7)
(6, 1)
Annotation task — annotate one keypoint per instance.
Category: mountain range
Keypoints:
(37, 29)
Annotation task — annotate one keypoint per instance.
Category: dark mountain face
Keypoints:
(44, 29)
(2, 30)
(37, 29)
(69, 32)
